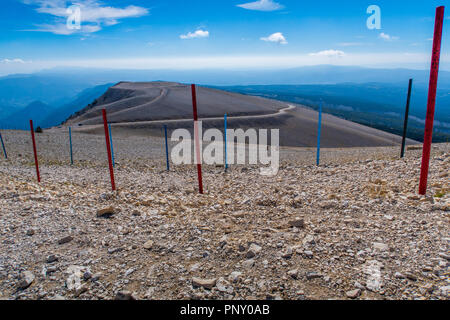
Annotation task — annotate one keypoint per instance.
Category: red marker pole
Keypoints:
(35, 151)
(108, 149)
(431, 100)
(197, 140)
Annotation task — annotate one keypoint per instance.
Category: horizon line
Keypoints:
(217, 69)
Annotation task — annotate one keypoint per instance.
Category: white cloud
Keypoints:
(94, 15)
(276, 37)
(197, 34)
(13, 61)
(328, 53)
(61, 29)
(262, 5)
(387, 37)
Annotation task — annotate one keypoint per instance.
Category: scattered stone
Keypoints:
(411, 276)
(372, 269)
(148, 245)
(353, 294)
(288, 253)
(253, 251)
(87, 276)
(297, 223)
(96, 276)
(445, 291)
(26, 279)
(106, 212)
(413, 197)
(427, 288)
(412, 148)
(80, 290)
(235, 276)
(193, 235)
(359, 285)
(328, 204)
(75, 274)
(114, 250)
(125, 296)
(308, 240)
(313, 275)
(65, 240)
(129, 272)
(444, 256)
(136, 213)
(52, 258)
(195, 267)
(293, 274)
(248, 263)
(380, 246)
(205, 283)
(223, 286)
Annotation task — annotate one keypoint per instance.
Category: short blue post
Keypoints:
(3, 146)
(70, 141)
(112, 146)
(167, 149)
(226, 147)
(319, 133)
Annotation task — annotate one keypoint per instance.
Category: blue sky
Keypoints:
(233, 34)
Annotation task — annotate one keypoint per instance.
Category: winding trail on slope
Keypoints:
(277, 114)
(164, 93)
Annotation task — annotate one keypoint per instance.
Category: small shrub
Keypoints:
(39, 130)
(439, 195)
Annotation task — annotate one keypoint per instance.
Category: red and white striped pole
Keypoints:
(431, 100)
(108, 149)
(35, 152)
(197, 140)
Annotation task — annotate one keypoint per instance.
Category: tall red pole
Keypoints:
(431, 100)
(35, 152)
(108, 149)
(197, 140)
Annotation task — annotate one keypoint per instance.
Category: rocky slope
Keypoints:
(353, 228)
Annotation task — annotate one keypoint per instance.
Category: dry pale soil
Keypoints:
(353, 228)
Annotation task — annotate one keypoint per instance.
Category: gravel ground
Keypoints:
(353, 228)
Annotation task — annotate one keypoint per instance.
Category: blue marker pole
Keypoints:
(112, 146)
(226, 150)
(3, 146)
(167, 149)
(70, 140)
(319, 133)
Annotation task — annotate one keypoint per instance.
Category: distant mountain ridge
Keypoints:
(45, 115)
(320, 74)
(35, 111)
